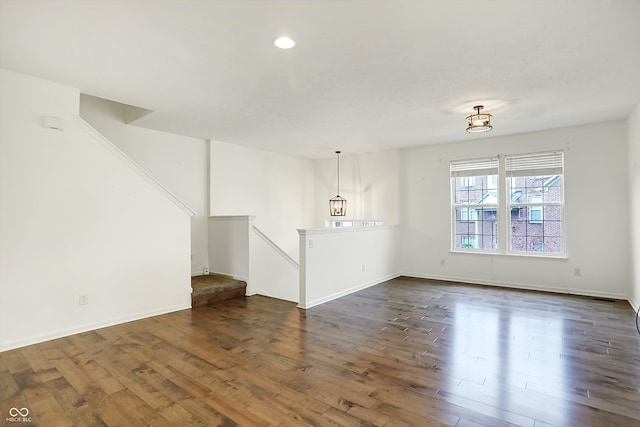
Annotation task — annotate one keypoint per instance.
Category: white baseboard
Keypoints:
(35, 339)
(264, 293)
(346, 292)
(524, 286)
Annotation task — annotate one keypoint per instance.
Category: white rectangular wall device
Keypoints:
(53, 123)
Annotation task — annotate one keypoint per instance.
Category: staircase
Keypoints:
(213, 288)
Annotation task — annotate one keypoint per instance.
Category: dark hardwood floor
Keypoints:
(408, 352)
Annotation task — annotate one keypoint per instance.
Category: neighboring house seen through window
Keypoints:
(535, 212)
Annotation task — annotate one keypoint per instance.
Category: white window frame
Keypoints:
(550, 164)
(468, 171)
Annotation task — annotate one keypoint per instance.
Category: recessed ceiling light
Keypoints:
(284, 42)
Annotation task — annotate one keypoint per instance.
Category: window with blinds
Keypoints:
(535, 204)
(522, 193)
(474, 205)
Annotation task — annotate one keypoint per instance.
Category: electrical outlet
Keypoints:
(83, 299)
(363, 268)
(577, 272)
(441, 261)
(310, 244)
(205, 271)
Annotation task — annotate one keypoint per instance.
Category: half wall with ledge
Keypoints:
(337, 261)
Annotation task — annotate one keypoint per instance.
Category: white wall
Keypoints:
(596, 213)
(271, 273)
(229, 245)
(339, 261)
(369, 182)
(634, 202)
(179, 163)
(276, 189)
(77, 220)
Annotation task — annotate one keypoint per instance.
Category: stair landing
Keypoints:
(214, 288)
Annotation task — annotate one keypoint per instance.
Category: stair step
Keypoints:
(213, 288)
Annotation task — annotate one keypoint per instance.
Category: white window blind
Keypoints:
(537, 164)
(475, 167)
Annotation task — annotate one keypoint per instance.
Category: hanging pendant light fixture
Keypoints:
(338, 205)
(479, 122)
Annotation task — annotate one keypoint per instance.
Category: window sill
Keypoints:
(517, 255)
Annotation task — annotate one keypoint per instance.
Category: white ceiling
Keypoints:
(365, 74)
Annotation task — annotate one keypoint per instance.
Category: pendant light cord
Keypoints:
(338, 153)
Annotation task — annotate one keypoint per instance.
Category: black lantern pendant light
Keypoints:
(338, 205)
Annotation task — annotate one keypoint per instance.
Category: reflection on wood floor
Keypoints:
(407, 352)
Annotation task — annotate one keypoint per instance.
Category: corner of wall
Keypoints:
(633, 138)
